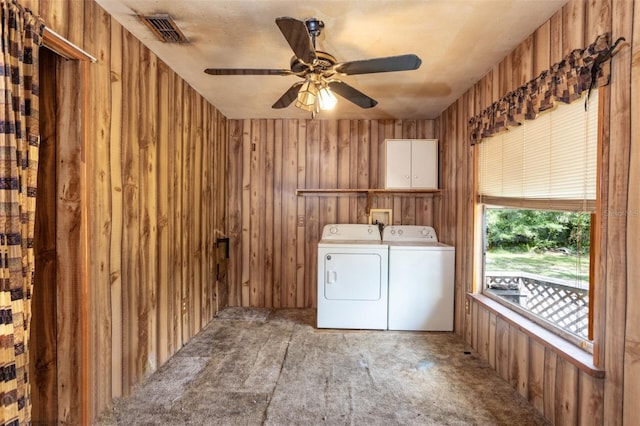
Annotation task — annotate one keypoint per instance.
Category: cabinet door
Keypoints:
(398, 163)
(424, 163)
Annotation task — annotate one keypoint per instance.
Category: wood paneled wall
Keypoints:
(141, 184)
(569, 396)
(555, 386)
(274, 233)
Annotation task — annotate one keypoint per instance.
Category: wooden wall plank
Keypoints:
(246, 215)
(483, 334)
(343, 163)
(573, 17)
(115, 255)
(130, 246)
(353, 170)
(207, 278)
(492, 339)
(197, 191)
(631, 413)
(277, 213)
(186, 199)
(566, 407)
(99, 198)
(363, 159)
(221, 188)
(535, 374)
(177, 219)
(598, 19)
(148, 215)
(502, 348)
(519, 361)
(542, 46)
(257, 212)
(290, 212)
(522, 63)
(590, 400)
(376, 156)
(556, 29)
(207, 231)
(164, 328)
(235, 206)
(616, 234)
(474, 338)
(328, 177)
(549, 387)
(300, 235)
(312, 213)
(268, 213)
(68, 244)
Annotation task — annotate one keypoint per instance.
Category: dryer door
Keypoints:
(352, 276)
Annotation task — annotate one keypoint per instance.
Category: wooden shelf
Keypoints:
(369, 192)
(339, 191)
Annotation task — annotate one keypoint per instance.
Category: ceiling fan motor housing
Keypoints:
(322, 63)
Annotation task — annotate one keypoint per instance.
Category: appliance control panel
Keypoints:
(410, 233)
(349, 231)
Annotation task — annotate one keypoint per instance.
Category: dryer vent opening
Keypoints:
(164, 27)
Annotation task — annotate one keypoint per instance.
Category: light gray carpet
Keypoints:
(272, 367)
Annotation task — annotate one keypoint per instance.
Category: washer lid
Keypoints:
(409, 233)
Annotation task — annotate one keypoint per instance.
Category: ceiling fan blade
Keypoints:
(353, 95)
(288, 97)
(245, 71)
(387, 64)
(297, 35)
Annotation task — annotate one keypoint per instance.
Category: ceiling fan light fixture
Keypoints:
(326, 99)
(307, 96)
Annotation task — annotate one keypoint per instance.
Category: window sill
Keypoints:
(568, 351)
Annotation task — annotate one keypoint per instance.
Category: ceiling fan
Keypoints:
(319, 70)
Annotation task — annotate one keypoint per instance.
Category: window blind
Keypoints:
(546, 163)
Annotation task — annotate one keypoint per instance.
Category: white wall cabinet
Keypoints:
(411, 163)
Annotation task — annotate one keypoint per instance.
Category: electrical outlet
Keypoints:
(301, 220)
(185, 302)
(467, 306)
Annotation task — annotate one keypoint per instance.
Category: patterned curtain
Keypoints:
(580, 71)
(19, 142)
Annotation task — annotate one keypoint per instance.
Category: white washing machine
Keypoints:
(352, 277)
(421, 279)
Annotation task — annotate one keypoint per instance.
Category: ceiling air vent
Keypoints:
(164, 28)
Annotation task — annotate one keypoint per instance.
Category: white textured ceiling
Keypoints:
(459, 41)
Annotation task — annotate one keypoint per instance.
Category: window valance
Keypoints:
(580, 71)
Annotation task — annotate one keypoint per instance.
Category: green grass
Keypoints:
(548, 264)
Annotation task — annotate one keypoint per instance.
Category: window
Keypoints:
(537, 186)
(538, 260)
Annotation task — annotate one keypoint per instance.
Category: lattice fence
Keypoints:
(565, 305)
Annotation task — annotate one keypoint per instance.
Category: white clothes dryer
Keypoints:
(421, 279)
(352, 277)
